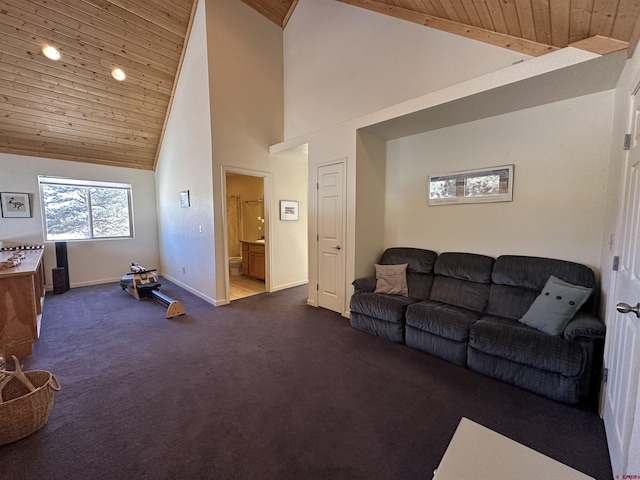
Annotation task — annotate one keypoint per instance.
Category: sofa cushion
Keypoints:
(465, 266)
(555, 306)
(509, 302)
(450, 350)
(393, 331)
(441, 319)
(463, 294)
(462, 279)
(542, 382)
(518, 280)
(533, 272)
(390, 308)
(417, 259)
(391, 279)
(509, 339)
(419, 268)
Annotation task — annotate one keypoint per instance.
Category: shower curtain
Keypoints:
(234, 225)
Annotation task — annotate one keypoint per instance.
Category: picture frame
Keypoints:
(15, 205)
(185, 201)
(288, 210)
(485, 185)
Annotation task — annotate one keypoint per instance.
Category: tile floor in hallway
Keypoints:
(241, 286)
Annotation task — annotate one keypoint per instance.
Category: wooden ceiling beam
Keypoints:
(498, 39)
(600, 45)
(292, 7)
(273, 10)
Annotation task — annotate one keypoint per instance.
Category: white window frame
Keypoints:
(46, 180)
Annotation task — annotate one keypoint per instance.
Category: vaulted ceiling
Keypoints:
(73, 109)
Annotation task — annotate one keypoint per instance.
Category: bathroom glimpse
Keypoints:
(245, 234)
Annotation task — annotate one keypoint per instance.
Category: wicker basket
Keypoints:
(23, 412)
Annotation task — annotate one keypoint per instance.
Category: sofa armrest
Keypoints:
(362, 285)
(584, 325)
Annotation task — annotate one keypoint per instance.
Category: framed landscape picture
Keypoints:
(15, 205)
(493, 184)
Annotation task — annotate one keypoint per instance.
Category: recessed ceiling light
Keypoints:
(51, 52)
(118, 74)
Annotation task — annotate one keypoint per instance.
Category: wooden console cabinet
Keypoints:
(21, 299)
(253, 260)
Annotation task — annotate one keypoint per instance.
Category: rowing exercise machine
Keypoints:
(142, 284)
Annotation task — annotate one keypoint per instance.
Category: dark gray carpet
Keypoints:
(264, 388)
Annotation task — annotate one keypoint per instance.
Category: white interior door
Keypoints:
(622, 400)
(331, 275)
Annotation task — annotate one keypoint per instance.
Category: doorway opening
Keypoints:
(246, 235)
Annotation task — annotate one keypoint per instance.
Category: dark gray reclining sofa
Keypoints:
(466, 308)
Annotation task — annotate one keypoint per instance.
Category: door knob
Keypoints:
(626, 308)
(337, 247)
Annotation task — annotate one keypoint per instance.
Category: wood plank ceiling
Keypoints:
(534, 27)
(73, 109)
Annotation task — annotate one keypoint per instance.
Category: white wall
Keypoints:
(322, 110)
(246, 92)
(346, 68)
(288, 239)
(560, 152)
(185, 163)
(342, 62)
(90, 262)
(370, 202)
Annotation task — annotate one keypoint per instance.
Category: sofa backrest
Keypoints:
(462, 279)
(518, 280)
(419, 268)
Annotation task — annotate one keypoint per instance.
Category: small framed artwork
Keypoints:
(15, 205)
(288, 210)
(184, 199)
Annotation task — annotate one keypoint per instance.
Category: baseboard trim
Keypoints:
(289, 285)
(87, 284)
(206, 298)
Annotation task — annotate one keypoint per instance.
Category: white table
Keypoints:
(478, 453)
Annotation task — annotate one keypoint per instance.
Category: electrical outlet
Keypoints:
(200, 228)
(184, 270)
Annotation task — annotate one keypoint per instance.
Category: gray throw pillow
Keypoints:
(555, 306)
(392, 279)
